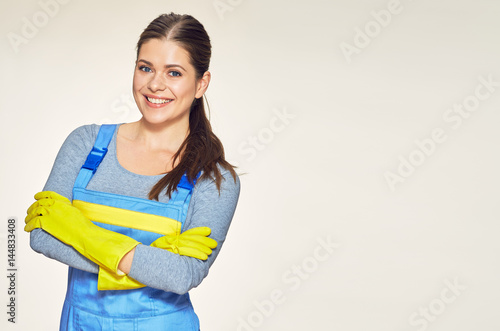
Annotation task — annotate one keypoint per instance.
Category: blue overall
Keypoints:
(86, 308)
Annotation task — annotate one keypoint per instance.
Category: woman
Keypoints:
(153, 201)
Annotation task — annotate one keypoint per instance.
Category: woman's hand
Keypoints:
(193, 242)
(56, 215)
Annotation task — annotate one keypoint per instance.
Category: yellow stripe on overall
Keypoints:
(128, 218)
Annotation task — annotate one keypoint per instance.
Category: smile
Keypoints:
(158, 101)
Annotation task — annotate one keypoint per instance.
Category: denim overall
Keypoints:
(87, 308)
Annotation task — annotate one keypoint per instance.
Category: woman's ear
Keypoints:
(202, 84)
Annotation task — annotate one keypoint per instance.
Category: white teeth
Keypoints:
(158, 101)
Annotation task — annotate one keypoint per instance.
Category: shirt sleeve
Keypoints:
(170, 272)
(66, 166)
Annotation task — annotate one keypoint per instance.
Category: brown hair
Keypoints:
(201, 150)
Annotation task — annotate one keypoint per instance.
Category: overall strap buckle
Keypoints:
(94, 158)
(96, 155)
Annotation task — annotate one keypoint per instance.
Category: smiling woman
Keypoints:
(139, 211)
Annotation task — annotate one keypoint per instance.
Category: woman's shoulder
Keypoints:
(85, 134)
(81, 139)
(230, 181)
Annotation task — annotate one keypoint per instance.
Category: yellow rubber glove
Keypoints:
(193, 242)
(56, 215)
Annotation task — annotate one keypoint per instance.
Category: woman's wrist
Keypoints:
(126, 262)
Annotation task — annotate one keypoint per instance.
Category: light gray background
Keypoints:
(318, 175)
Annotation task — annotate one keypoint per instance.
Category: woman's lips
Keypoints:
(156, 102)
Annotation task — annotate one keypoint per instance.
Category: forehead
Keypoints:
(161, 52)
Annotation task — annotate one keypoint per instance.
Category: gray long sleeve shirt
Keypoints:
(151, 266)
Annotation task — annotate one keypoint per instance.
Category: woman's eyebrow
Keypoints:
(174, 65)
(166, 65)
(147, 62)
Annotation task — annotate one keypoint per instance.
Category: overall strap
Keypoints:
(183, 191)
(96, 155)
(181, 197)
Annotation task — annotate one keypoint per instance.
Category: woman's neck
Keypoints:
(155, 137)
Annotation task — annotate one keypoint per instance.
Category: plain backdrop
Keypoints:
(367, 132)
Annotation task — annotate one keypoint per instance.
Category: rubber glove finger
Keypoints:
(50, 195)
(194, 244)
(201, 230)
(200, 239)
(163, 242)
(33, 224)
(163, 245)
(36, 212)
(40, 203)
(33, 206)
(193, 252)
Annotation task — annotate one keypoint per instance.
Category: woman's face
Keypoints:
(165, 83)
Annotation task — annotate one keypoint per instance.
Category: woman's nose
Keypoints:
(157, 83)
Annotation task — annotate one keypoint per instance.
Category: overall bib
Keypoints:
(85, 308)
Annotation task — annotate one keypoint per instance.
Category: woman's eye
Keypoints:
(145, 69)
(175, 73)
